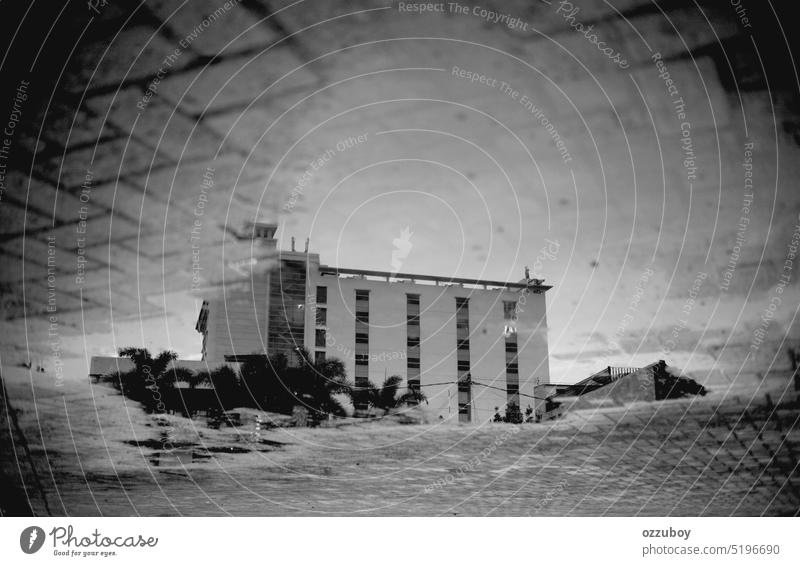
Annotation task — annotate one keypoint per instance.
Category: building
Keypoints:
(469, 345)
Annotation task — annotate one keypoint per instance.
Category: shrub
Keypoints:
(513, 414)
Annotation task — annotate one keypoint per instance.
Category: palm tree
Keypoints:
(151, 381)
(385, 397)
(227, 387)
(146, 365)
(144, 361)
(265, 383)
(273, 384)
(199, 378)
(318, 383)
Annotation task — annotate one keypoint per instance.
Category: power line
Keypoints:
(482, 385)
(501, 389)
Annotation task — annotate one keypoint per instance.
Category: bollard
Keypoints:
(257, 434)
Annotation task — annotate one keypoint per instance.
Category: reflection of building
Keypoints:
(470, 345)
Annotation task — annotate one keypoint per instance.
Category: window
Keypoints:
(322, 316)
(286, 311)
(322, 295)
(362, 327)
(412, 341)
(512, 367)
(319, 357)
(509, 310)
(464, 377)
(462, 314)
(464, 400)
(319, 338)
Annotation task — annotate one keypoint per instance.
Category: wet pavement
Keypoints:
(736, 455)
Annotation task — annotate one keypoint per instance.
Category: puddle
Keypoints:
(178, 457)
(227, 450)
(177, 454)
(158, 444)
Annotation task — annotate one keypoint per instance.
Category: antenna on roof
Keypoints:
(527, 273)
(292, 243)
(307, 240)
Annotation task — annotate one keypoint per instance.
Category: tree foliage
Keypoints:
(266, 383)
(386, 396)
(151, 381)
(274, 384)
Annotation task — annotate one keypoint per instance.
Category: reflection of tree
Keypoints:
(386, 396)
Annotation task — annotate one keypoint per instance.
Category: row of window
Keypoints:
(463, 364)
(412, 304)
(413, 344)
(286, 323)
(512, 367)
(361, 329)
(321, 322)
(413, 361)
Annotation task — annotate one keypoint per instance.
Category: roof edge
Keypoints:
(331, 270)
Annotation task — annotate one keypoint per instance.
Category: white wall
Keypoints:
(387, 339)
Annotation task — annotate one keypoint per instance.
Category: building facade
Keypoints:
(470, 346)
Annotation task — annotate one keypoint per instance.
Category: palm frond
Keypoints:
(412, 397)
(162, 361)
(139, 356)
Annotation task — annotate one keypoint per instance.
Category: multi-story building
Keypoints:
(469, 345)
